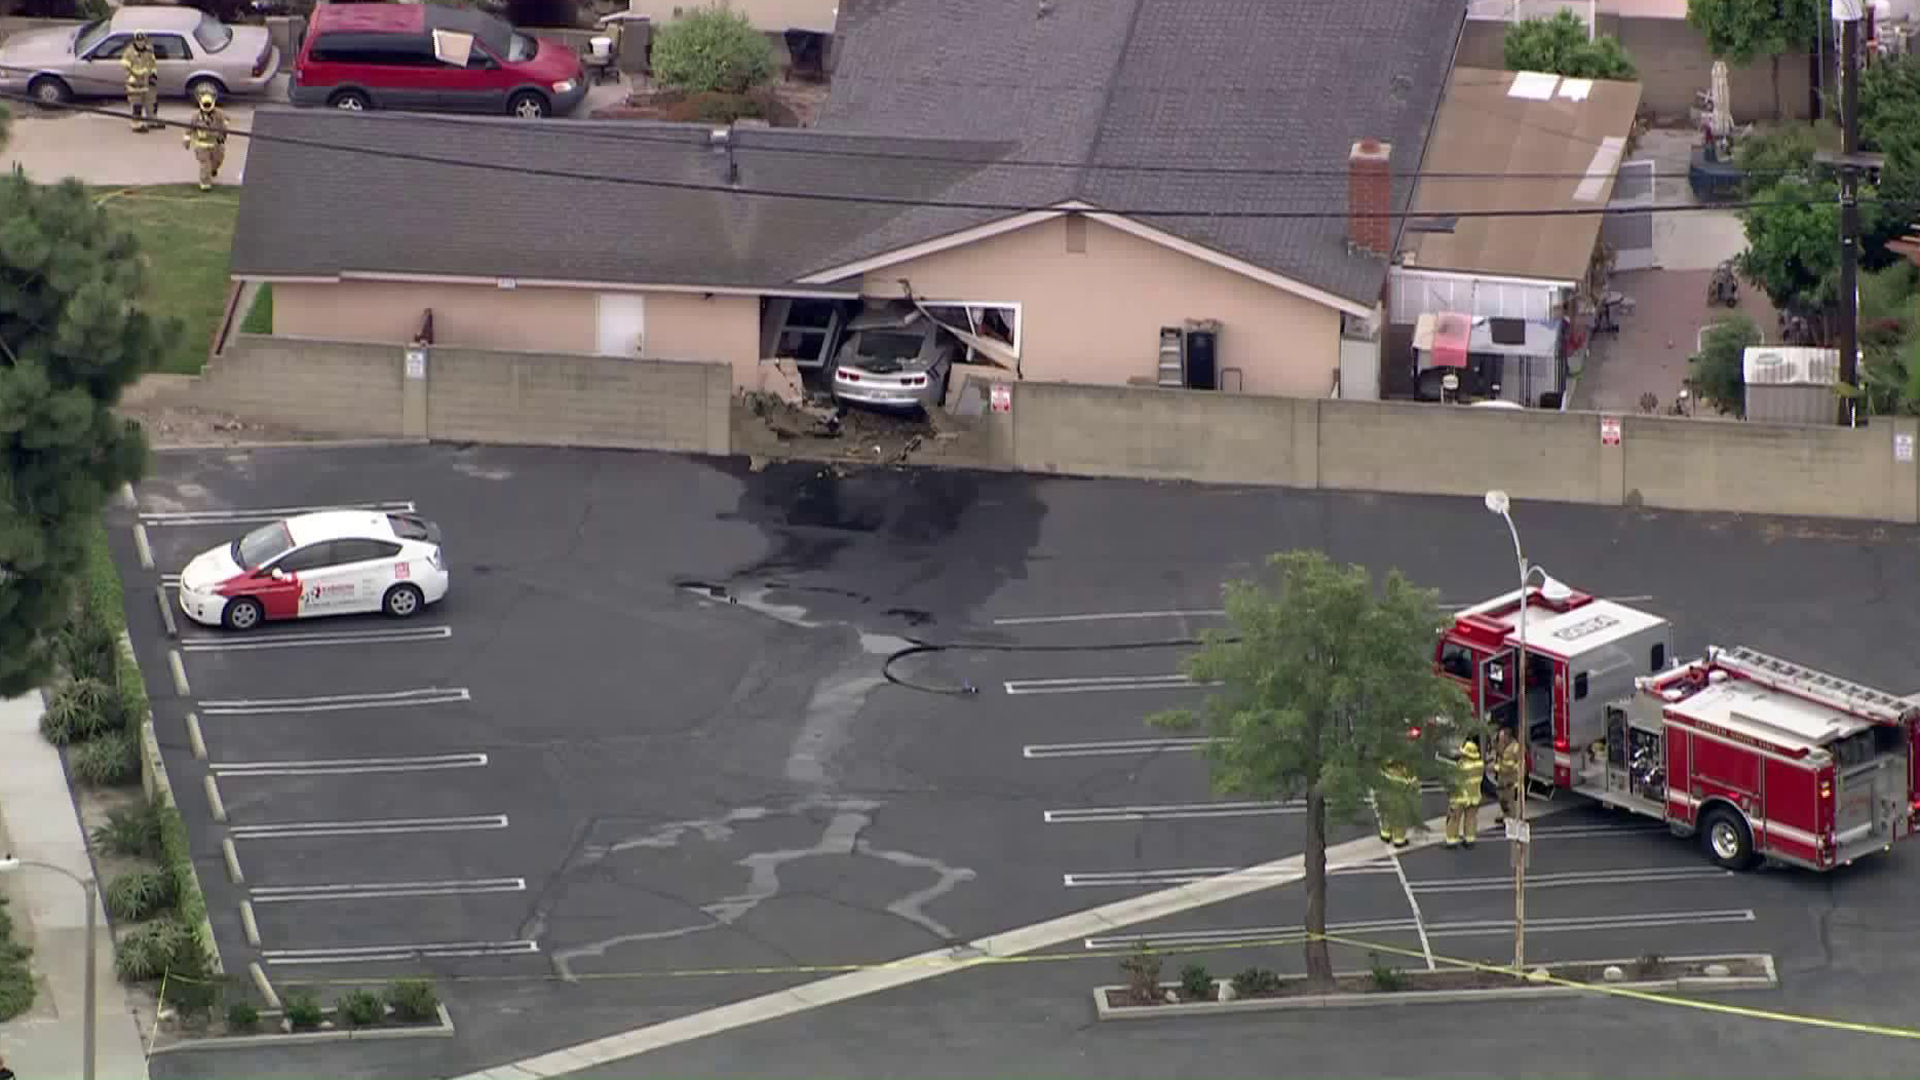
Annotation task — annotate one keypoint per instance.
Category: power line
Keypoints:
(996, 207)
(631, 136)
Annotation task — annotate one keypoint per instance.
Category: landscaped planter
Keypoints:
(1735, 971)
(274, 1031)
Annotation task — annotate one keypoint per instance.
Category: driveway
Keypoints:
(104, 150)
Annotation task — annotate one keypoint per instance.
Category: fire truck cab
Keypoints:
(1763, 758)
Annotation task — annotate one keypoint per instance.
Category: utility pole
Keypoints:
(1848, 13)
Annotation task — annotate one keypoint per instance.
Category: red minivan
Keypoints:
(434, 59)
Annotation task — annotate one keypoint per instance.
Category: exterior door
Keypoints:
(622, 325)
(174, 62)
(320, 589)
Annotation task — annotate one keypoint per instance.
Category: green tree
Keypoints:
(1321, 677)
(1742, 31)
(72, 337)
(712, 50)
(1890, 340)
(1771, 156)
(1793, 248)
(1718, 371)
(1560, 45)
(1890, 125)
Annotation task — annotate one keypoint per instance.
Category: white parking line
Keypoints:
(1641, 876)
(1593, 832)
(388, 636)
(386, 890)
(1102, 683)
(375, 827)
(1109, 879)
(1413, 902)
(368, 954)
(336, 702)
(348, 766)
(1110, 616)
(1180, 811)
(1460, 928)
(262, 514)
(1115, 748)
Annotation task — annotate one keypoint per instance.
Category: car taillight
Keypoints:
(846, 376)
(435, 558)
(260, 62)
(916, 380)
(1562, 745)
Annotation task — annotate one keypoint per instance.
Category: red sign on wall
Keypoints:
(1609, 431)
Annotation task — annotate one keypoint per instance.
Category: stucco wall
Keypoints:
(772, 16)
(679, 326)
(1095, 316)
(1668, 462)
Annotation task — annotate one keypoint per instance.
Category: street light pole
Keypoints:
(1498, 502)
(92, 890)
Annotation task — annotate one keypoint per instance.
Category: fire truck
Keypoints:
(1763, 759)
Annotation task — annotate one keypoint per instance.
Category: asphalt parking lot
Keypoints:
(649, 732)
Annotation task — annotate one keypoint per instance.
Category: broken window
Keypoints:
(808, 330)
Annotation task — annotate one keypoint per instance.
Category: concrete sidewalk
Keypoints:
(38, 821)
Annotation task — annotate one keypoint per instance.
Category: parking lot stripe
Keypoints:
(1109, 616)
(369, 954)
(1100, 683)
(1640, 876)
(1115, 748)
(376, 827)
(349, 766)
(386, 890)
(1180, 811)
(1413, 902)
(336, 702)
(383, 636)
(262, 514)
(1589, 832)
(1107, 879)
(1459, 928)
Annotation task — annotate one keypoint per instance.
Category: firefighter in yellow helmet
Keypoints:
(1508, 763)
(1405, 792)
(207, 138)
(1463, 807)
(143, 82)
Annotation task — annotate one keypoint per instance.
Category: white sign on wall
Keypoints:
(1902, 447)
(416, 363)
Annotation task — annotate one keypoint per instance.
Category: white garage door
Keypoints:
(622, 325)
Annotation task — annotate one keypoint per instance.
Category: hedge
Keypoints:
(103, 599)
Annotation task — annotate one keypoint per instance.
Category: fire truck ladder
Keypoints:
(1831, 690)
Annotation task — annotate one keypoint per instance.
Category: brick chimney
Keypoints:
(1370, 192)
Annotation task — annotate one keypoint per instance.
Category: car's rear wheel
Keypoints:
(243, 613)
(50, 91)
(200, 88)
(527, 105)
(1727, 839)
(403, 601)
(351, 101)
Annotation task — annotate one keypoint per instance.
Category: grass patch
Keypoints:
(259, 318)
(16, 978)
(185, 236)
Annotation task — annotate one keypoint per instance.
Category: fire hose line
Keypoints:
(1889, 1031)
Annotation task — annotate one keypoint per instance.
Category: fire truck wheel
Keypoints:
(1728, 841)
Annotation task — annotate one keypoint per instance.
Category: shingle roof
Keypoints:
(1114, 84)
(328, 192)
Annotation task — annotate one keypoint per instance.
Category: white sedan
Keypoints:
(336, 562)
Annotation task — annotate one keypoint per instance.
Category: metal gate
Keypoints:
(1631, 234)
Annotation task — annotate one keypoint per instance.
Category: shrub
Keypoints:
(302, 1011)
(80, 710)
(712, 49)
(131, 831)
(138, 894)
(90, 650)
(1254, 982)
(16, 988)
(361, 1008)
(414, 1000)
(242, 1016)
(1196, 984)
(1385, 979)
(110, 760)
(147, 951)
(1142, 972)
(193, 997)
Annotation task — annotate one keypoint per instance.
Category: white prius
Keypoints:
(335, 562)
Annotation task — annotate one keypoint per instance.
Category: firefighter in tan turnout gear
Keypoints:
(207, 138)
(1463, 806)
(143, 83)
(1508, 761)
(1405, 790)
